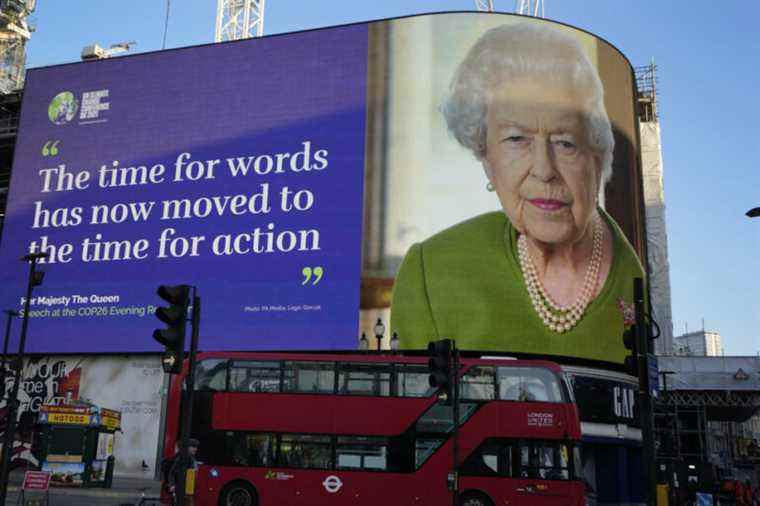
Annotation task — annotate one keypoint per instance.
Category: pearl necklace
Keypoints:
(556, 317)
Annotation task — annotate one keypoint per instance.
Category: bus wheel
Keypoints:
(475, 499)
(238, 493)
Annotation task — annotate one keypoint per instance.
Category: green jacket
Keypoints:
(465, 283)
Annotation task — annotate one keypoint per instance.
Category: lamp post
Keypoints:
(394, 343)
(753, 213)
(35, 279)
(379, 332)
(11, 314)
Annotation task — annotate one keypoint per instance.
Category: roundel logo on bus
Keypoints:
(332, 484)
(538, 419)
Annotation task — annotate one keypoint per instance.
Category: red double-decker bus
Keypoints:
(366, 429)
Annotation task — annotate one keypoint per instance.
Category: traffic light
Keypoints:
(174, 316)
(631, 363)
(440, 366)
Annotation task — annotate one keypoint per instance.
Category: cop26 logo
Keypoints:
(64, 106)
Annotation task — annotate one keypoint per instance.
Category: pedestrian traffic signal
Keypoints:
(440, 366)
(631, 363)
(175, 317)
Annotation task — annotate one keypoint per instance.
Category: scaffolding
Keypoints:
(15, 31)
(646, 85)
(708, 427)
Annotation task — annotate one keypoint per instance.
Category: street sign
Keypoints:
(35, 489)
(37, 481)
(654, 374)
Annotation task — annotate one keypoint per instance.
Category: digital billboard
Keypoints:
(236, 168)
(486, 165)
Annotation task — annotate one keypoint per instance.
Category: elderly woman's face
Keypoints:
(539, 161)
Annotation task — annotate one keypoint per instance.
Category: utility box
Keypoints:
(77, 444)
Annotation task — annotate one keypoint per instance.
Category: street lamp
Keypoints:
(35, 279)
(11, 314)
(379, 332)
(754, 212)
(394, 342)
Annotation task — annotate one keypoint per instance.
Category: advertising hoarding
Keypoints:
(275, 173)
(236, 168)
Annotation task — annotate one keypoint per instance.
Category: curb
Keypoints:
(95, 492)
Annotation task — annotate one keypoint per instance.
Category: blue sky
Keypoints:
(710, 117)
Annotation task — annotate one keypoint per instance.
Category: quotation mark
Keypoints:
(307, 273)
(50, 148)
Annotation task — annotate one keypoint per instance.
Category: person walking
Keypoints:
(182, 463)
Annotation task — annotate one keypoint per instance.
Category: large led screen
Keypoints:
(485, 165)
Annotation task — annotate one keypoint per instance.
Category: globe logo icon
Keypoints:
(63, 108)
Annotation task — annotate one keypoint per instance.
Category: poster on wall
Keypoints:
(131, 385)
(486, 166)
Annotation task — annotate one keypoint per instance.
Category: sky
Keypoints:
(706, 53)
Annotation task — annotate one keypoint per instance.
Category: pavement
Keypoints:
(124, 491)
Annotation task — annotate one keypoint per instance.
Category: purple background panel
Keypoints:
(255, 98)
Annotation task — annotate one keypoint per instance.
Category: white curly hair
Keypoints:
(518, 51)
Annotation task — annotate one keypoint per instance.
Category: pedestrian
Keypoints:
(183, 461)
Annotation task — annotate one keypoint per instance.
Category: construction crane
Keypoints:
(239, 19)
(524, 7)
(14, 34)
(533, 8)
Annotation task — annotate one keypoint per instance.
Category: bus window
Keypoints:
(413, 381)
(249, 449)
(211, 374)
(424, 448)
(493, 458)
(309, 377)
(362, 453)
(544, 460)
(437, 419)
(250, 376)
(529, 384)
(305, 451)
(364, 379)
(478, 384)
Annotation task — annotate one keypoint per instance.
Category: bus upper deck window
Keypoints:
(529, 384)
(211, 374)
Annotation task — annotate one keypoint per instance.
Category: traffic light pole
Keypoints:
(187, 408)
(645, 398)
(12, 399)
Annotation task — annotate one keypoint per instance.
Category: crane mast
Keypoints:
(239, 19)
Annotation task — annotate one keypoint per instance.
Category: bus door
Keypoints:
(545, 474)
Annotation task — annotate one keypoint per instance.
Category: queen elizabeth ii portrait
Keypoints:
(550, 272)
